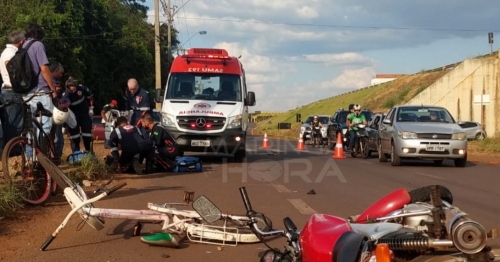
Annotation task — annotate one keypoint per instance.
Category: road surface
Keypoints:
(277, 180)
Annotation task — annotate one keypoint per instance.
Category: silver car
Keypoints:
(474, 130)
(421, 132)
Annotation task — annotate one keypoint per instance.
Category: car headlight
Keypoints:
(459, 136)
(344, 131)
(234, 121)
(167, 120)
(323, 129)
(302, 128)
(407, 135)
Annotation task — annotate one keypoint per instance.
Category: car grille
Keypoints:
(430, 136)
(308, 128)
(215, 123)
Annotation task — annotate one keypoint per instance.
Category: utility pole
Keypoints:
(169, 30)
(157, 49)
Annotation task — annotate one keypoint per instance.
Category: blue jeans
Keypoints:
(352, 138)
(58, 141)
(11, 116)
(46, 123)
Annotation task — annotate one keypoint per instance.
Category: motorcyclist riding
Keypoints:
(315, 131)
(352, 119)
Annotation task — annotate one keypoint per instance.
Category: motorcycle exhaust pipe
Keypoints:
(468, 236)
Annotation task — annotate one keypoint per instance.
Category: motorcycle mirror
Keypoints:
(206, 209)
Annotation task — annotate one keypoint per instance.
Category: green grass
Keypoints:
(485, 146)
(89, 168)
(378, 98)
(10, 200)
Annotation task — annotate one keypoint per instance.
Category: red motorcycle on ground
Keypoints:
(402, 221)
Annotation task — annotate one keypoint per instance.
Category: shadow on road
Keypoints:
(125, 192)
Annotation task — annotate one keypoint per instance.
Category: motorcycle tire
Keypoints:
(365, 150)
(423, 194)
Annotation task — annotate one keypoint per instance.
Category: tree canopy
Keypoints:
(102, 43)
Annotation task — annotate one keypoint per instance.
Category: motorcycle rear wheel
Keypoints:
(423, 194)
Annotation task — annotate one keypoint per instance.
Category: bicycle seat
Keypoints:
(41, 109)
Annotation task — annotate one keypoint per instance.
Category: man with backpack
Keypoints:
(29, 73)
(11, 116)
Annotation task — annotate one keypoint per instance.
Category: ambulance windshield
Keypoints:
(199, 86)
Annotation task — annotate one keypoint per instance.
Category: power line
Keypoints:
(339, 26)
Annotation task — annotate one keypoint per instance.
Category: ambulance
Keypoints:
(205, 103)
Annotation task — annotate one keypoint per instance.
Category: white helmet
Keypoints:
(357, 107)
(59, 117)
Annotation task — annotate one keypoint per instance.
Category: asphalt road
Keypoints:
(277, 180)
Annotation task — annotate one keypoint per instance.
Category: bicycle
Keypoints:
(36, 185)
(197, 228)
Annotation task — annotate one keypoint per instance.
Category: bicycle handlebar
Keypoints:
(103, 186)
(251, 215)
(39, 93)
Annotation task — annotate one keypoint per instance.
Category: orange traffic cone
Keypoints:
(383, 253)
(265, 143)
(339, 149)
(300, 145)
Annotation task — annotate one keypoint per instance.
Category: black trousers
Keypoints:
(164, 159)
(83, 128)
(12, 116)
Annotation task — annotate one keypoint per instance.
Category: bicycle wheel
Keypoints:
(21, 170)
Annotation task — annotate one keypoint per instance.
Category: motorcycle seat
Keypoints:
(376, 230)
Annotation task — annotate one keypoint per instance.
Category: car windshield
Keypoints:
(424, 114)
(342, 116)
(196, 86)
(322, 119)
(368, 115)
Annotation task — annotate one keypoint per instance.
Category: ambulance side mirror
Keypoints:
(158, 96)
(250, 99)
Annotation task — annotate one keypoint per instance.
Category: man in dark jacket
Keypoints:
(163, 142)
(138, 100)
(135, 145)
(81, 102)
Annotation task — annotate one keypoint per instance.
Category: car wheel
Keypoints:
(461, 162)
(331, 144)
(381, 156)
(395, 160)
(480, 136)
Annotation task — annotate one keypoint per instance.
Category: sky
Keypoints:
(297, 52)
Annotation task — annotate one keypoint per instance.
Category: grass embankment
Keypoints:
(378, 98)
(485, 146)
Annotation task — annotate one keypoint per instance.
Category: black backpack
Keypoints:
(22, 77)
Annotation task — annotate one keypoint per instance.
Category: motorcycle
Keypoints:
(361, 143)
(424, 222)
(324, 238)
(316, 137)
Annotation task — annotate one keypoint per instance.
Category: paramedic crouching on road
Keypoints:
(138, 100)
(134, 146)
(163, 142)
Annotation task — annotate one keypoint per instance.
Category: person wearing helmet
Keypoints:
(352, 119)
(314, 124)
(59, 114)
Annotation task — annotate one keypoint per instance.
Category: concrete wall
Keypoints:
(378, 81)
(456, 91)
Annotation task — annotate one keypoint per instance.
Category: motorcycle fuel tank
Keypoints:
(391, 202)
(319, 236)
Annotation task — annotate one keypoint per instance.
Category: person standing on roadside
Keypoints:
(138, 100)
(57, 71)
(11, 116)
(81, 102)
(40, 67)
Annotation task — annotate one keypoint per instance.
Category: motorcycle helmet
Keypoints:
(59, 117)
(357, 107)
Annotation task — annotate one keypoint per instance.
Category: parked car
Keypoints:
(305, 129)
(372, 129)
(339, 125)
(421, 132)
(474, 130)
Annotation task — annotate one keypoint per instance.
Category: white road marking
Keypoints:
(302, 206)
(427, 175)
(281, 188)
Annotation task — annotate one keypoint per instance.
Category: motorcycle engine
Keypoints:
(420, 222)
